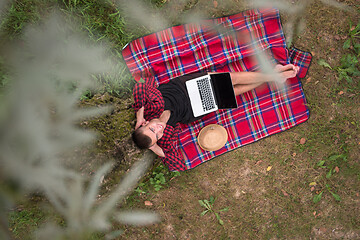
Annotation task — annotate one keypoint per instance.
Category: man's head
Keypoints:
(146, 136)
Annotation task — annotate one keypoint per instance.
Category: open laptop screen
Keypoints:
(224, 90)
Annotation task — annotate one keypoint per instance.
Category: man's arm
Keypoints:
(157, 150)
(139, 94)
(149, 98)
(140, 117)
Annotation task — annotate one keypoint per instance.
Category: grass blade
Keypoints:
(317, 197)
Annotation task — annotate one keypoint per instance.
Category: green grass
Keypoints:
(25, 221)
(26, 218)
(275, 204)
(100, 20)
(20, 14)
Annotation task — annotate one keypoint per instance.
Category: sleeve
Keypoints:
(172, 159)
(139, 94)
(149, 97)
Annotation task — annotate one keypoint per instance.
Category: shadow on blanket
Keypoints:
(224, 45)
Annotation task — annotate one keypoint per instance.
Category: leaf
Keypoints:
(347, 44)
(312, 184)
(348, 79)
(321, 163)
(354, 30)
(317, 197)
(334, 157)
(202, 203)
(302, 141)
(224, 209)
(337, 197)
(329, 174)
(322, 62)
(204, 212)
(336, 169)
(219, 219)
(268, 168)
(221, 222)
(206, 204)
(357, 47)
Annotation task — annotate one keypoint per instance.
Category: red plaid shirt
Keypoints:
(153, 102)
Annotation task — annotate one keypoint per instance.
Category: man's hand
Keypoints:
(139, 122)
(140, 118)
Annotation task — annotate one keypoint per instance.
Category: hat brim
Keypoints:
(212, 137)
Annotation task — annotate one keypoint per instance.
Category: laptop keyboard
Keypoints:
(206, 95)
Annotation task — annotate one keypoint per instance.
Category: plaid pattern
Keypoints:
(301, 59)
(224, 45)
(151, 98)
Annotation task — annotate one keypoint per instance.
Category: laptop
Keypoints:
(211, 92)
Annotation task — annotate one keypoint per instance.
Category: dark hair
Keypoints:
(140, 139)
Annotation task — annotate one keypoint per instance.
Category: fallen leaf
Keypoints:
(352, 28)
(312, 184)
(148, 203)
(258, 162)
(357, 194)
(268, 168)
(215, 4)
(341, 93)
(314, 213)
(285, 193)
(302, 141)
(312, 189)
(332, 49)
(308, 80)
(294, 154)
(337, 169)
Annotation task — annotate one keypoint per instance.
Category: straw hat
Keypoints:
(212, 137)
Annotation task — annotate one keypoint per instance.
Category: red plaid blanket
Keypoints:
(225, 45)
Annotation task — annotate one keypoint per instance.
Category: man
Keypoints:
(159, 111)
